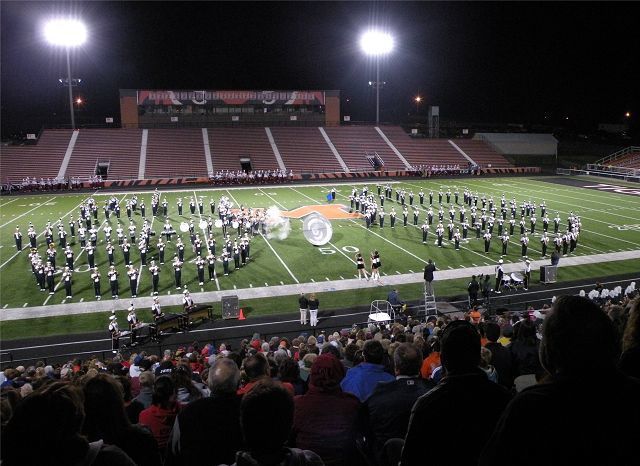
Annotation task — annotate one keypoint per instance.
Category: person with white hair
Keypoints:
(115, 333)
(187, 300)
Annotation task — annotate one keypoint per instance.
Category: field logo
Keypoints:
(331, 212)
(634, 227)
(614, 188)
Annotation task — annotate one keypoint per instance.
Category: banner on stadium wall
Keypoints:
(164, 97)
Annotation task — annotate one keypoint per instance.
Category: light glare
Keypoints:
(376, 43)
(65, 32)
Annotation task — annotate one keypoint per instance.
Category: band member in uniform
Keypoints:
(556, 223)
(18, 237)
(40, 275)
(142, 246)
(155, 309)
(533, 221)
(110, 254)
(487, 241)
(499, 275)
(165, 207)
(430, 215)
(421, 196)
(115, 333)
(450, 229)
(49, 272)
(544, 241)
(314, 303)
(527, 274)
(392, 217)
(133, 280)
(72, 227)
(31, 233)
(212, 206)
(512, 224)
(187, 301)
(143, 209)
(113, 282)
(179, 202)
(465, 230)
(565, 243)
(456, 238)
(95, 278)
(211, 266)
(425, 232)
(68, 254)
(225, 262)
(405, 215)
(360, 267)
(440, 234)
(192, 206)
(381, 217)
(505, 243)
(177, 268)
(126, 247)
(66, 279)
(132, 319)
(415, 216)
(200, 262)
(525, 243)
(303, 305)
(180, 248)
(91, 256)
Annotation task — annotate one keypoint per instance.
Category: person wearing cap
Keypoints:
(499, 275)
(187, 300)
(132, 319)
(115, 333)
(66, 279)
(113, 281)
(133, 280)
(18, 237)
(95, 278)
(527, 274)
(155, 308)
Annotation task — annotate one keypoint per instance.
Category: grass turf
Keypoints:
(610, 223)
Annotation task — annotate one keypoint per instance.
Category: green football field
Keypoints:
(610, 223)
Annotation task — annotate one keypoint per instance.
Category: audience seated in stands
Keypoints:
(326, 418)
(362, 379)
(586, 408)
(460, 412)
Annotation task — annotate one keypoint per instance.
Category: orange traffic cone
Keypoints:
(241, 316)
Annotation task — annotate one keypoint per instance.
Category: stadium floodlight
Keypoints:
(376, 43)
(67, 33)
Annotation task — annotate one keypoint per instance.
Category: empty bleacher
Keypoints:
(482, 153)
(229, 145)
(420, 151)
(354, 142)
(175, 153)
(120, 147)
(304, 150)
(628, 160)
(41, 160)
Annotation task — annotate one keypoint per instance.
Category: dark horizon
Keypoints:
(483, 62)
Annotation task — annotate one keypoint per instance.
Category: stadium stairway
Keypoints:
(420, 151)
(295, 289)
(304, 150)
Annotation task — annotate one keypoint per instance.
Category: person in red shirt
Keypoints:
(160, 416)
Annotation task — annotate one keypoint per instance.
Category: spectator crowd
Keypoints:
(500, 389)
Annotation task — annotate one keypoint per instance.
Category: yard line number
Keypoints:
(349, 249)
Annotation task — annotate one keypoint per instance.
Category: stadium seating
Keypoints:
(175, 153)
(419, 151)
(304, 150)
(41, 160)
(629, 160)
(229, 145)
(120, 147)
(482, 153)
(354, 142)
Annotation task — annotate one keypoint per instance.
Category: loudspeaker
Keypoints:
(230, 307)
(548, 273)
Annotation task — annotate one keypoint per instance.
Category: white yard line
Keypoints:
(279, 258)
(587, 218)
(38, 236)
(9, 202)
(42, 204)
(76, 259)
(205, 233)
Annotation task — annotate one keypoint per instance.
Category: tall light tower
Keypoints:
(376, 43)
(67, 33)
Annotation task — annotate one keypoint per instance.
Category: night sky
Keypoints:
(485, 62)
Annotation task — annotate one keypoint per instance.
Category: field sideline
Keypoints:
(610, 223)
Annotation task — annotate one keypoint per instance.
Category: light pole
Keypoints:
(376, 43)
(418, 99)
(66, 33)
